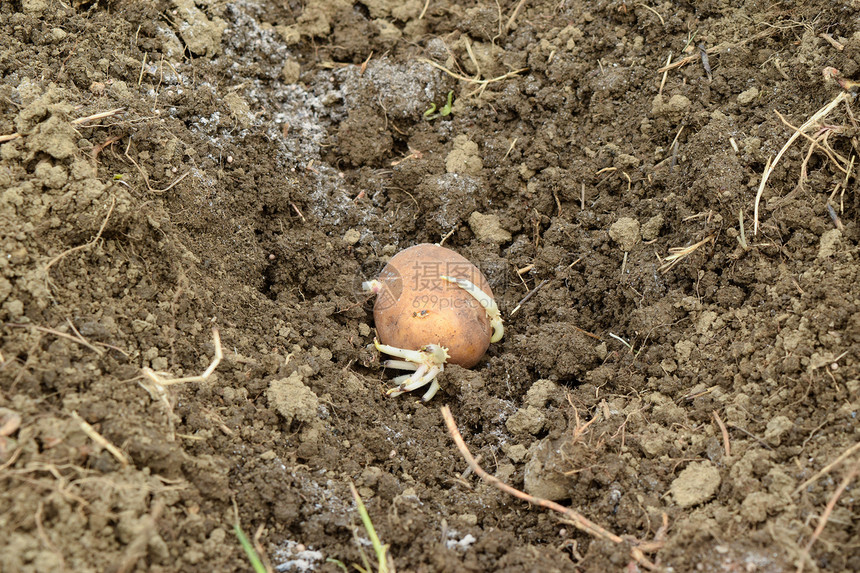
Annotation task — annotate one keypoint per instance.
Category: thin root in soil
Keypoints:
(638, 548)
(156, 383)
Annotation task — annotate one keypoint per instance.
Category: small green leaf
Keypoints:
(256, 563)
(446, 109)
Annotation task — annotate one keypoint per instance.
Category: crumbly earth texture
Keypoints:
(269, 156)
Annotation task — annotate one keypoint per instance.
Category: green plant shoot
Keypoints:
(431, 114)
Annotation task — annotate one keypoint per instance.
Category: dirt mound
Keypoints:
(681, 340)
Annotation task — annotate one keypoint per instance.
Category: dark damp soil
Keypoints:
(270, 156)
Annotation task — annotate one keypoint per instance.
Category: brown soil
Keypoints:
(271, 155)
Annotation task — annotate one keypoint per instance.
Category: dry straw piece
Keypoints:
(79, 121)
(678, 254)
(819, 141)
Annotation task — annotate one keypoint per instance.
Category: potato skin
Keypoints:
(416, 307)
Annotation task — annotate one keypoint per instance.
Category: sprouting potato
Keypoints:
(433, 306)
(419, 307)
